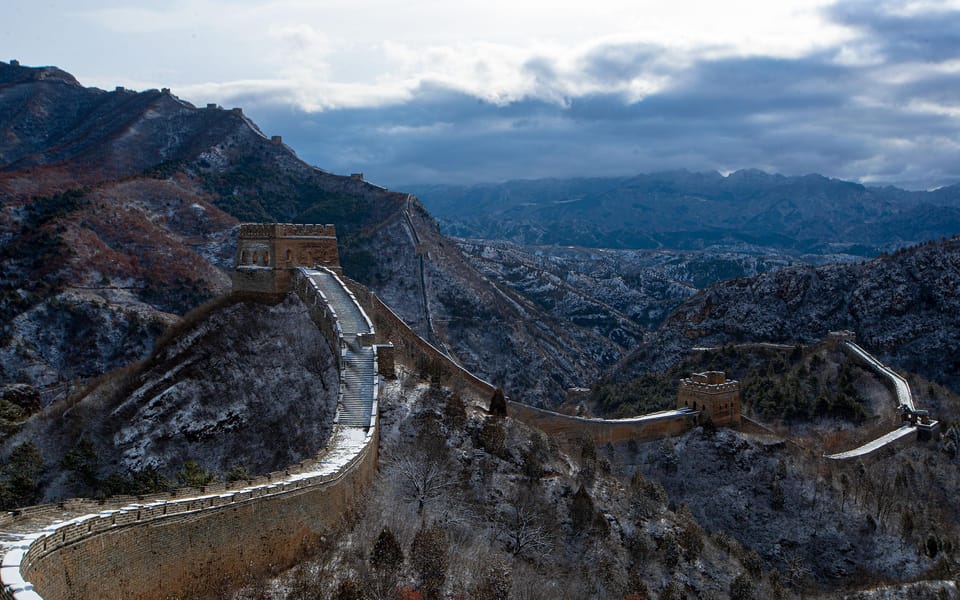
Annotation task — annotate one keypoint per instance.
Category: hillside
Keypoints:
(903, 307)
(620, 294)
(119, 211)
(226, 390)
(684, 210)
(510, 512)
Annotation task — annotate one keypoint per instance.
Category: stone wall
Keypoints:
(711, 393)
(267, 251)
(196, 547)
(261, 280)
(603, 430)
(209, 540)
(416, 353)
(320, 311)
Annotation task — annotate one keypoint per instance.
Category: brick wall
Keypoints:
(199, 547)
(418, 354)
(212, 539)
(601, 430)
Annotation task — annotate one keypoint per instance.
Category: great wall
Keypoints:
(164, 545)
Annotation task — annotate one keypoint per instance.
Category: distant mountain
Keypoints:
(904, 307)
(684, 210)
(621, 294)
(118, 212)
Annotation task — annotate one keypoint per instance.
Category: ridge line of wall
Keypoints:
(416, 352)
(59, 558)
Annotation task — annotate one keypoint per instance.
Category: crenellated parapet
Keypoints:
(280, 230)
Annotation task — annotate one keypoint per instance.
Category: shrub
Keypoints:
(349, 590)
(582, 510)
(21, 475)
(428, 553)
(193, 475)
(83, 463)
(386, 554)
(498, 403)
(741, 588)
(455, 411)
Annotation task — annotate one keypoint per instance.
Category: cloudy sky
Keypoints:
(470, 91)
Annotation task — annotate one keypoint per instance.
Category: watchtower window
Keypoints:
(243, 257)
(289, 255)
(266, 257)
(256, 257)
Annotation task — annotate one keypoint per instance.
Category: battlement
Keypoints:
(711, 393)
(708, 378)
(263, 231)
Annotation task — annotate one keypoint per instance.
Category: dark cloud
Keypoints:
(795, 116)
(931, 36)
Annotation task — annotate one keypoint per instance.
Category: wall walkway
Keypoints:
(417, 353)
(649, 427)
(902, 395)
(201, 541)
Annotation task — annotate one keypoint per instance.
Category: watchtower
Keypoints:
(267, 252)
(836, 339)
(716, 397)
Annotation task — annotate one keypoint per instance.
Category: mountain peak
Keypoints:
(13, 72)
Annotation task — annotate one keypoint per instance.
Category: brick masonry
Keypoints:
(198, 552)
(601, 430)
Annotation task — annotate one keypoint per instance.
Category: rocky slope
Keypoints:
(121, 206)
(619, 294)
(238, 386)
(508, 513)
(903, 307)
(766, 496)
(679, 209)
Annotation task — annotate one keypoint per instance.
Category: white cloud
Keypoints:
(339, 52)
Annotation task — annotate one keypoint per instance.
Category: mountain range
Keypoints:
(119, 212)
(686, 210)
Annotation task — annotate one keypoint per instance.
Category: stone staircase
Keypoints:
(358, 376)
(356, 386)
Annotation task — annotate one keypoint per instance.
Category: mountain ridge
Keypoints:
(903, 306)
(691, 210)
(68, 151)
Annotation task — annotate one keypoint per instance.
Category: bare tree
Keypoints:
(522, 530)
(424, 478)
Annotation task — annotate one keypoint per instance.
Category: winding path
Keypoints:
(358, 375)
(903, 396)
(40, 531)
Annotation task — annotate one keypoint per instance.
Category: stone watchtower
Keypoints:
(267, 252)
(711, 393)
